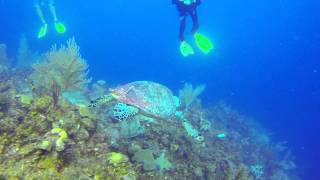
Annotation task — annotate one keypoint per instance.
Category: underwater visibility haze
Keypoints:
(114, 90)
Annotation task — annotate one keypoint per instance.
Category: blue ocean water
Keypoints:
(266, 60)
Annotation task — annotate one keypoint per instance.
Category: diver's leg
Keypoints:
(204, 44)
(182, 27)
(53, 10)
(39, 12)
(60, 28)
(185, 48)
(43, 30)
(195, 21)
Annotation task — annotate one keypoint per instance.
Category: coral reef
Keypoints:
(131, 128)
(146, 157)
(43, 138)
(98, 89)
(191, 131)
(116, 158)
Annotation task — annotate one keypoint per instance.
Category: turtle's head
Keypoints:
(121, 93)
(118, 93)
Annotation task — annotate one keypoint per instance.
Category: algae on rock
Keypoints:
(146, 157)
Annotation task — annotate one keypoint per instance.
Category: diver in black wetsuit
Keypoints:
(186, 8)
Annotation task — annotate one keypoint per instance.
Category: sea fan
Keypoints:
(62, 68)
(188, 94)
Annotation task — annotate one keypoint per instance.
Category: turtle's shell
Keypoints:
(152, 98)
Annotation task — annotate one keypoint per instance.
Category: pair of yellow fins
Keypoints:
(204, 44)
(60, 28)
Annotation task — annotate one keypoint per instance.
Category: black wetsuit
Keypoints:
(184, 11)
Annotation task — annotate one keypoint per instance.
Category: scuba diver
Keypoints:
(185, 8)
(38, 4)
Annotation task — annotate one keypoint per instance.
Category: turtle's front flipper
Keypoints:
(123, 111)
(101, 100)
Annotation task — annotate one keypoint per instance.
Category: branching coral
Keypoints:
(188, 94)
(61, 70)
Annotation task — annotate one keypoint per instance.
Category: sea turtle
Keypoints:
(146, 97)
